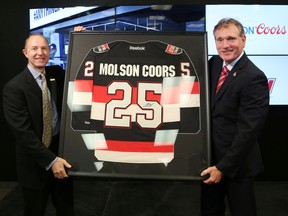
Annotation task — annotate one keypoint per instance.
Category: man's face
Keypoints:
(37, 52)
(229, 43)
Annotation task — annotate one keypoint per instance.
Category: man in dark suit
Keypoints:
(41, 172)
(238, 112)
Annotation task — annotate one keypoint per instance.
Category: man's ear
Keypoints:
(24, 51)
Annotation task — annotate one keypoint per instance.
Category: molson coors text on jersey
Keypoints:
(132, 99)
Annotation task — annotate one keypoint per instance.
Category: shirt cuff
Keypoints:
(51, 164)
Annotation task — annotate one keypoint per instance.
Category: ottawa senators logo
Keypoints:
(101, 49)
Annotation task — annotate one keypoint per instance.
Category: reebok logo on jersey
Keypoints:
(137, 48)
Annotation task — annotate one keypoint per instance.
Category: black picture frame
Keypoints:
(190, 151)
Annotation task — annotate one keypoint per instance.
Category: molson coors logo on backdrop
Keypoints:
(263, 29)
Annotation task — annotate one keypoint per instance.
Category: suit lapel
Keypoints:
(33, 95)
(216, 74)
(51, 82)
(31, 83)
(216, 70)
(236, 70)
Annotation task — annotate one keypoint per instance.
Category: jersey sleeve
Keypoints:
(82, 94)
(189, 91)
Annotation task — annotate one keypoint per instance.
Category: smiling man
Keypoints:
(239, 106)
(40, 171)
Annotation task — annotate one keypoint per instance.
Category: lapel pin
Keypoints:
(235, 74)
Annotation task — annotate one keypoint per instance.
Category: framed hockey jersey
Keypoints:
(136, 105)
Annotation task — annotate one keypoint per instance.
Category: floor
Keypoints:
(144, 198)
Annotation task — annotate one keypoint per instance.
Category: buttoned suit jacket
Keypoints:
(22, 106)
(238, 113)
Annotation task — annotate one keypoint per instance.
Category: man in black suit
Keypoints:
(238, 112)
(40, 171)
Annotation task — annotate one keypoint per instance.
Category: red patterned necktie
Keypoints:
(222, 78)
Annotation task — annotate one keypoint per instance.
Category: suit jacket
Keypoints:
(22, 106)
(238, 112)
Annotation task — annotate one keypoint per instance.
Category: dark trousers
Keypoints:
(239, 193)
(61, 192)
